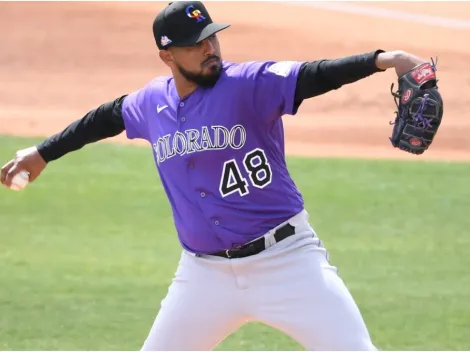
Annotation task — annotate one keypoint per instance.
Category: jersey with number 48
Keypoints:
(220, 152)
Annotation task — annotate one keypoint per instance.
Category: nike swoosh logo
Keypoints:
(161, 108)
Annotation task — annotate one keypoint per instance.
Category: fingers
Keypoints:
(10, 170)
(5, 169)
(11, 173)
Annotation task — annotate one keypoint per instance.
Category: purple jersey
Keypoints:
(220, 152)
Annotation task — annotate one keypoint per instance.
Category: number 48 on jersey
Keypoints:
(255, 164)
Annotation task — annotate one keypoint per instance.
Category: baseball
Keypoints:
(20, 181)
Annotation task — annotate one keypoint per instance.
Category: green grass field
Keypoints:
(87, 252)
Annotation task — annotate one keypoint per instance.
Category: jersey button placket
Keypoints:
(180, 119)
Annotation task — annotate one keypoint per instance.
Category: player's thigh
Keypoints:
(313, 305)
(328, 318)
(187, 322)
(200, 309)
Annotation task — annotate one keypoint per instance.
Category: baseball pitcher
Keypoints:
(215, 128)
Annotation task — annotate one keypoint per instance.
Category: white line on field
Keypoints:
(384, 13)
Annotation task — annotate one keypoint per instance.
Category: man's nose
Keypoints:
(209, 47)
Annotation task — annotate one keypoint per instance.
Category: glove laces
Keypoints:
(418, 115)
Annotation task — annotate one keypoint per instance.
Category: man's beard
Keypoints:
(208, 80)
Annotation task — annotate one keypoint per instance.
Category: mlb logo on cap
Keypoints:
(165, 40)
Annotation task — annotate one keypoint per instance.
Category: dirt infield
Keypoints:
(60, 60)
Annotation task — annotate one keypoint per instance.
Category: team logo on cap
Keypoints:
(194, 13)
(164, 41)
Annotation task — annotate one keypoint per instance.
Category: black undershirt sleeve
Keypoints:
(319, 77)
(315, 78)
(103, 122)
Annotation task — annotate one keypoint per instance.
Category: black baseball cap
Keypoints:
(184, 23)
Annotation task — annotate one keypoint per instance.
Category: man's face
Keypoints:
(200, 63)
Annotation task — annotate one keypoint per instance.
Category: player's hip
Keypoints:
(295, 229)
(285, 261)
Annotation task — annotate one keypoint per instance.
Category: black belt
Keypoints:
(257, 245)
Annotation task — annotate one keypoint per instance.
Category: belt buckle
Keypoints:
(236, 248)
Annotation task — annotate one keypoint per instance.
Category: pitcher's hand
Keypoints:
(400, 60)
(28, 160)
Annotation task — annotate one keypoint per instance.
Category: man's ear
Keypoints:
(166, 57)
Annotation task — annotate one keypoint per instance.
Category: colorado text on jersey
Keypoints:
(192, 140)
